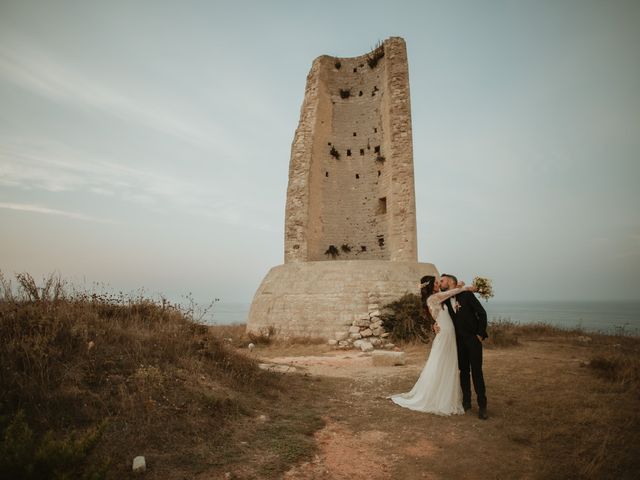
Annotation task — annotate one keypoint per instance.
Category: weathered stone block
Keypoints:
(363, 345)
(387, 359)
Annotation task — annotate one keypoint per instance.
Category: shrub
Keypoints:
(405, 320)
(375, 56)
(25, 455)
(502, 333)
(333, 251)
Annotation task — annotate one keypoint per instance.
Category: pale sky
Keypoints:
(146, 144)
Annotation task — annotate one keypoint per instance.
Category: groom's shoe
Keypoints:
(466, 407)
(482, 414)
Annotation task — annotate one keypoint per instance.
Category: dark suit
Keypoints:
(470, 320)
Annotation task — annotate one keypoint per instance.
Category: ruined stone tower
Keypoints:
(350, 221)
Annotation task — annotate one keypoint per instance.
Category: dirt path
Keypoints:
(367, 436)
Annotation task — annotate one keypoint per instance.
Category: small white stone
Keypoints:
(375, 313)
(332, 342)
(354, 329)
(139, 464)
(366, 333)
(355, 336)
(390, 346)
(363, 322)
(251, 346)
(373, 306)
(385, 334)
(376, 342)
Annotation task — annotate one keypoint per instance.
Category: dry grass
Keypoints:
(163, 382)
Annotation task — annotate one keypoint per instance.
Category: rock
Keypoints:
(376, 322)
(376, 331)
(366, 332)
(332, 342)
(355, 336)
(375, 313)
(390, 346)
(363, 322)
(373, 307)
(263, 418)
(376, 342)
(139, 465)
(343, 343)
(363, 345)
(251, 346)
(385, 334)
(388, 359)
(583, 339)
(343, 335)
(354, 329)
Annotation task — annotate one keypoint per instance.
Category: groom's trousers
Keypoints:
(470, 362)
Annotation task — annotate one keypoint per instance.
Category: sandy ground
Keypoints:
(368, 436)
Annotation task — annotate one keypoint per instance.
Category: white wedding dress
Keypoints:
(438, 387)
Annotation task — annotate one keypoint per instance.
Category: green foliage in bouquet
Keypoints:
(405, 320)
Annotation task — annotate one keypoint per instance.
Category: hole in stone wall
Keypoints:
(381, 241)
(375, 130)
(362, 151)
(363, 248)
(329, 143)
(360, 93)
(337, 65)
(354, 134)
(376, 149)
(345, 92)
(355, 69)
(357, 175)
(296, 247)
(334, 153)
(382, 205)
(348, 153)
(379, 173)
(326, 174)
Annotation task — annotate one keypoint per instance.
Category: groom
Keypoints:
(470, 321)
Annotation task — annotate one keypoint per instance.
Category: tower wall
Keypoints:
(364, 200)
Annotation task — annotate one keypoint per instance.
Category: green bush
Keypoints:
(406, 321)
(24, 455)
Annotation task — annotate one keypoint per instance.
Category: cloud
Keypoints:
(55, 167)
(38, 73)
(52, 211)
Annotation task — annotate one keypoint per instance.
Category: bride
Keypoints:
(438, 387)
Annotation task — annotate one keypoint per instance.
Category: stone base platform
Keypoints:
(317, 299)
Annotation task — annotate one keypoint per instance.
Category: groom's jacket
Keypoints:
(471, 317)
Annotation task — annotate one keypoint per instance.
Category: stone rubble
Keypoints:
(365, 332)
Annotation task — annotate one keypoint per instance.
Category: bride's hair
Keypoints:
(426, 290)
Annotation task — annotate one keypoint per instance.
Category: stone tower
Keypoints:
(350, 221)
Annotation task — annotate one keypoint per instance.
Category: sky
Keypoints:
(144, 146)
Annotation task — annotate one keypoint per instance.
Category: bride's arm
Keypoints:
(442, 296)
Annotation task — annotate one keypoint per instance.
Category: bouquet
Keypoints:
(485, 289)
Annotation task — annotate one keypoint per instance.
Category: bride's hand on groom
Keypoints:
(436, 328)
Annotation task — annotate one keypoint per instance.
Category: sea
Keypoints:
(620, 317)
